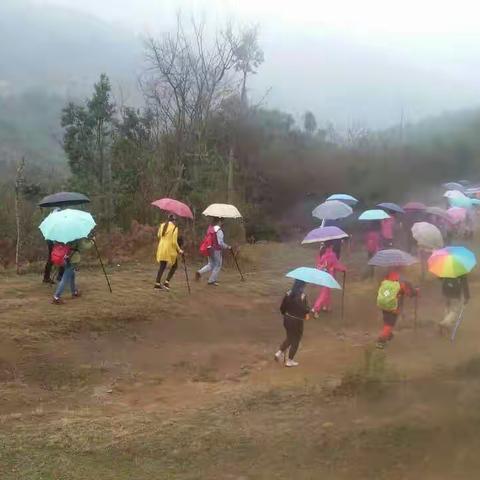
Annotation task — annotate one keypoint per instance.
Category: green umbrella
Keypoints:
(67, 225)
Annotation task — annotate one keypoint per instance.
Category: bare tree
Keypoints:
(19, 182)
(186, 79)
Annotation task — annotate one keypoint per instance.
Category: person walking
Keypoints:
(456, 294)
(62, 256)
(294, 309)
(47, 272)
(391, 294)
(372, 245)
(212, 246)
(387, 228)
(327, 261)
(167, 252)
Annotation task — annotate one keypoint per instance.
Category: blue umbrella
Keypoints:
(343, 197)
(393, 207)
(67, 225)
(376, 214)
(462, 202)
(315, 276)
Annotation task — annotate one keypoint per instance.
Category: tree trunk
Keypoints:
(18, 190)
(230, 175)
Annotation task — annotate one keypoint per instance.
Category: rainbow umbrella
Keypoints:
(451, 262)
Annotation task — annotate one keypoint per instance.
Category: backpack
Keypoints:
(452, 287)
(59, 253)
(209, 241)
(387, 298)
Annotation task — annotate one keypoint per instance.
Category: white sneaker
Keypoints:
(291, 363)
(279, 356)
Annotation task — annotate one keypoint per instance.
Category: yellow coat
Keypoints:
(168, 248)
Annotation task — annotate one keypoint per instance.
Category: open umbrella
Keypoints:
(451, 262)
(427, 235)
(173, 206)
(454, 194)
(222, 210)
(414, 206)
(323, 234)
(63, 199)
(67, 225)
(453, 186)
(439, 212)
(343, 197)
(332, 210)
(457, 214)
(392, 258)
(375, 214)
(392, 207)
(462, 202)
(315, 276)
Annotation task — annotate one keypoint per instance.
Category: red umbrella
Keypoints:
(173, 206)
(414, 206)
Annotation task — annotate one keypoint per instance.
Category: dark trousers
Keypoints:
(161, 270)
(48, 266)
(294, 329)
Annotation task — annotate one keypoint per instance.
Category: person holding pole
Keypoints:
(456, 294)
(212, 246)
(167, 252)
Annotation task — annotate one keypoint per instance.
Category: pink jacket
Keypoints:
(387, 228)
(372, 241)
(329, 262)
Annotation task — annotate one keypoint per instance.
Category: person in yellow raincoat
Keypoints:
(167, 251)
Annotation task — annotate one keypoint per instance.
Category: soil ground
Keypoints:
(141, 384)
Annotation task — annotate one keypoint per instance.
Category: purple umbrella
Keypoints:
(323, 234)
(392, 258)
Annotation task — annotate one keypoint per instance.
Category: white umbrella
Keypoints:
(332, 210)
(427, 235)
(222, 210)
(454, 194)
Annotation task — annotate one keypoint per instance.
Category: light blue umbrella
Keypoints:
(67, 225)
(343, 197)
(375, 214)
(462, 202)
(315, 276)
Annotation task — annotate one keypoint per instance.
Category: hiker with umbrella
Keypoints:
(170, 243)
(57, 201)
(66, 228)
(213, 243)
(295, 310)
(452, 265)
(393, 289)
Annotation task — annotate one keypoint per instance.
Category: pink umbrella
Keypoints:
(414, 206)
(457, 214)
(173, 206)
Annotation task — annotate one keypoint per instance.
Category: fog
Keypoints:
(365, 62)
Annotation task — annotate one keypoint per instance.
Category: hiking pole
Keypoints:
(101, 263)
(238, 267)
(186, 273)
(415, 313)
(458, 322)
(343, 294)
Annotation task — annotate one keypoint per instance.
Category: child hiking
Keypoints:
(212, 246)
(390, 297)
(327, 261)
(294, 309)
(167, 252)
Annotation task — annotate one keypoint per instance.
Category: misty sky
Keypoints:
(422, 57)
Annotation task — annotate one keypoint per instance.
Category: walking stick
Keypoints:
(101, 263)
(343, 294)
(415, 313)
(186, 273)
(236, 263)
(458, 322)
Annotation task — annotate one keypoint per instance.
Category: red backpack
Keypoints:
(59, 253)
(209, 241)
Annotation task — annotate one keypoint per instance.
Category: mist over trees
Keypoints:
(194, 132)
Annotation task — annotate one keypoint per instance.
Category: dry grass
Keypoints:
(142, 384)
